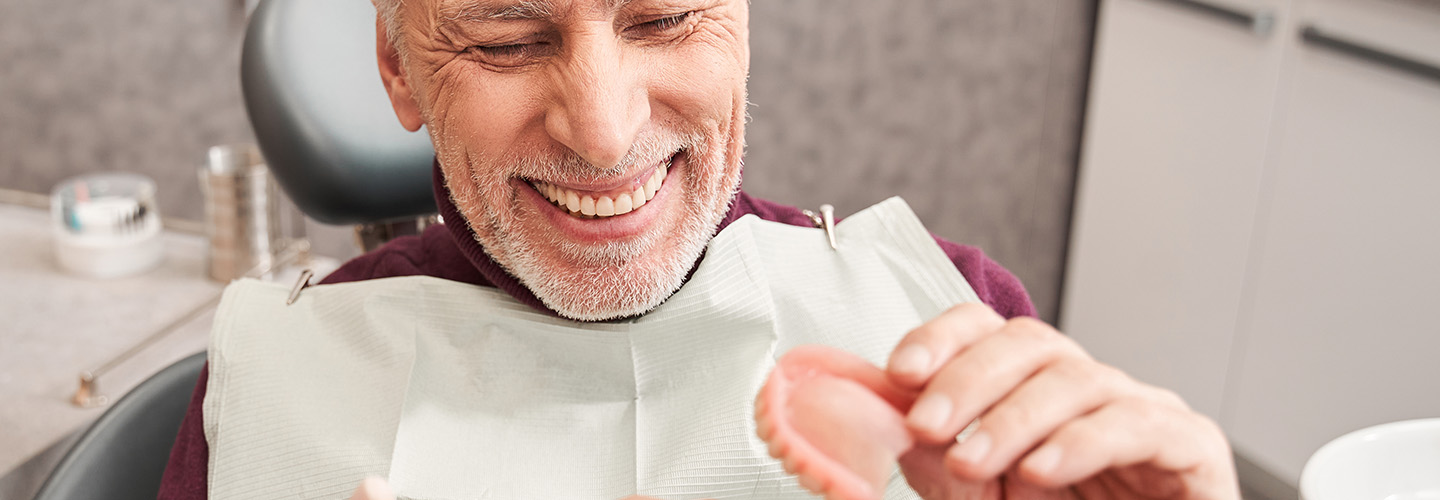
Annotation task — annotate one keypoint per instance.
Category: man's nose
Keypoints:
(600, 104)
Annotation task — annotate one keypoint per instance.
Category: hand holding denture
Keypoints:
(1052, 421)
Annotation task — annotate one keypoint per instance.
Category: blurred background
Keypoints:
(1234, 199)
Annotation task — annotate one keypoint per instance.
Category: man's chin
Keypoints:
(585, 279)
(609, 293)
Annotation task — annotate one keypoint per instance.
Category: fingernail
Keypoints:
(931, 413)
(974, 449)
(910, 360)
(1043, 460)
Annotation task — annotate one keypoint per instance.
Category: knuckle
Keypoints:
(1083, 431)
(1034, 329)
(1027, 329)
(1127, 386)
(981, 313)
(1116, 381)
(1093, 375)
(1111, 374)
(1027, 324)
(1146, 414)
(970, 372)
(1074, 373)
(1008, 421)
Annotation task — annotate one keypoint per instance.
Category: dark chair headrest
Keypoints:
(322, 118)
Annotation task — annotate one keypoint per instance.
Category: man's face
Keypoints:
(593, 145)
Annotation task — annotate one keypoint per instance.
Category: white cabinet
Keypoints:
(1341, 331)
(1180, 107)
(1270, 252)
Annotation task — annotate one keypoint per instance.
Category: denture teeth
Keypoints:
(763, 428)
(812, 483)
(793, 465)
(776, 448)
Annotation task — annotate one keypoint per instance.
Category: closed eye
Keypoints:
(513, 54)
(666, 23)
(661, 26)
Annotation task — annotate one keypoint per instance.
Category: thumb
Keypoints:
(373, 488)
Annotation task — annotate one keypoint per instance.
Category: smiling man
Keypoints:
(586, 153)
(592, 146)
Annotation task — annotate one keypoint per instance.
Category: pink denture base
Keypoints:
(835, 420)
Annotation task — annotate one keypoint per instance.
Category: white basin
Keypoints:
(1395, 461)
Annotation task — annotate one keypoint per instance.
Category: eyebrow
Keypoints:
(484, 10)
(521, 10)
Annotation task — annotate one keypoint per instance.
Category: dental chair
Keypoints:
(123, 454)
(327, 131)
(324, 122)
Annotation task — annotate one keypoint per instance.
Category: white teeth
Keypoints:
(622, 204)
(656, 181)
(604, 206)
(637, 198)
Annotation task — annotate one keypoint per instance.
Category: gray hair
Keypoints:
(389, 12)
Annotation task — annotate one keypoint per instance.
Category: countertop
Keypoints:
(54, 325)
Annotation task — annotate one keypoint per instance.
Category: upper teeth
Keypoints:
(603, 205)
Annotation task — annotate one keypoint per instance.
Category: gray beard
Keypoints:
(608, 281)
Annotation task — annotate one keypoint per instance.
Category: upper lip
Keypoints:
(615, 183)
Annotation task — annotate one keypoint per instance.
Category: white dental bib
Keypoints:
(459, 391)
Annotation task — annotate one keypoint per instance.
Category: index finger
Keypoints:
(926, 348)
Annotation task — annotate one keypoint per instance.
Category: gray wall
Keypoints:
(970, 109)
(967, 108)
(118, 85)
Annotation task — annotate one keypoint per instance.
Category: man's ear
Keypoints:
(393, 75)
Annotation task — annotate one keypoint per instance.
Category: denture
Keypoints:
(835, 420)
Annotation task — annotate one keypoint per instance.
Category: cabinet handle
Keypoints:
(1260, 22)
(1315, 36)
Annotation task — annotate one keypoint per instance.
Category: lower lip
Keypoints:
(607, 228)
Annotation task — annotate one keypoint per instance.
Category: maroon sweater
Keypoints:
(450, 252)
